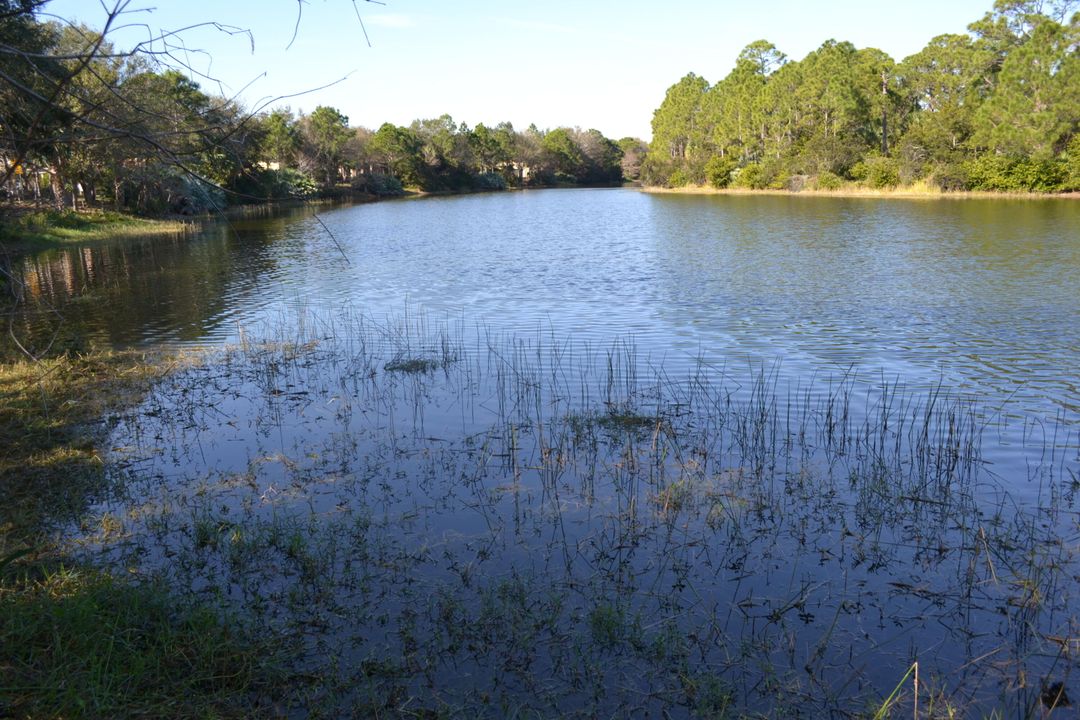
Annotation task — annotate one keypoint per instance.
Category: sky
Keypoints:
(602, 64)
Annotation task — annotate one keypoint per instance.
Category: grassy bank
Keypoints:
(44, 227)
(915, 191)
(78, 641)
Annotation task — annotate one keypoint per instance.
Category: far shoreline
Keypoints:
(899, 193)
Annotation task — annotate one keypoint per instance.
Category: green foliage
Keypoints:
(490, 181)
(381, 185)
(675, 133)
(326, 131)
(950, 177)
(828, 181)
(749, 176)
(1017, 174)
(679, 178)
(280, 137)
(269, 184)
(657, 170)
(775, 173)
(718, 171)
(564, 154)
(634, 152)
(877, 172)
(1012, 89)
(1035, 104)
(1072, 165)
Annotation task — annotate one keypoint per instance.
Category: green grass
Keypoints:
(81, 643)
(46, 227)
(77, 641)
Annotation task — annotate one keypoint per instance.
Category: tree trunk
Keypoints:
(57, 186)
(884, 132)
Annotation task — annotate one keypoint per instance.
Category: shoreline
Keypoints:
(38, 229)
(899, 193)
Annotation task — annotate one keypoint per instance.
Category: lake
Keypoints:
(602, 451)
(980, 294)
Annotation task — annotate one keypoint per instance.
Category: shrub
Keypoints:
(381, 185)
(828, 181)
(779, 180)
(950, 177)
(1071, 160)
(490, 181)
(877, 172)
(285, 183)
(1014, 174)
(718, 171)
(295, 184)
(656, 170)
(679, 178)
(749, 176)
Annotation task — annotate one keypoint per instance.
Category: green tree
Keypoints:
(634, 151)
(563, 155)
(602, 157)
(279, 138)
(326, 131)
(397, 152)
(835, 114)
(1035, 108)
(732, 109)
(781, 111)
(879, 87)
(944, 85)
(677, 139)
(489, 150)
(438, 142)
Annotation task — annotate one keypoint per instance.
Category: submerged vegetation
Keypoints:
(994, 110)
(541, 528)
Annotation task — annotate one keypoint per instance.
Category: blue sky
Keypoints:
(592, 63)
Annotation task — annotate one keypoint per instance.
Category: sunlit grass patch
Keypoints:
(50, 419)
(53, 226)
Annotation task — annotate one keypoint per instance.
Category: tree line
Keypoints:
(434, 154)
(997, 108)
(82, 122)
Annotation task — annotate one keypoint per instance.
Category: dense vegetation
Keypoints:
(995, 109)
(85, 123)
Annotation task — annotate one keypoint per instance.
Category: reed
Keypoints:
(536, 527)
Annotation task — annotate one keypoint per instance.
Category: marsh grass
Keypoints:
(551, 529)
